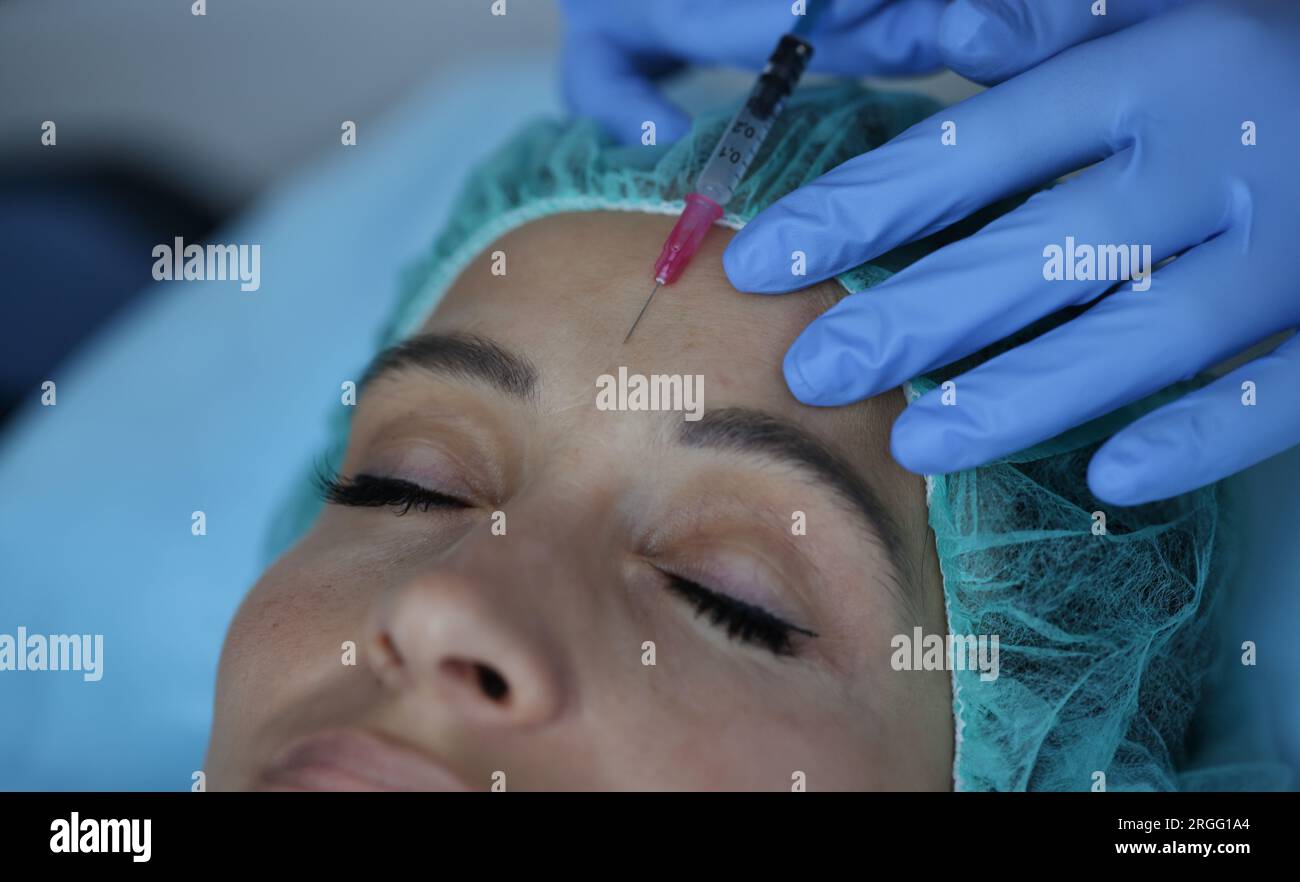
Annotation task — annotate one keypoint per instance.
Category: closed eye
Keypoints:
(372, 491)
(743, 622)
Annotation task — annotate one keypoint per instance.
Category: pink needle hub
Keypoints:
(682, 243)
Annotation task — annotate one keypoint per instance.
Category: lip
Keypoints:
(355, 760)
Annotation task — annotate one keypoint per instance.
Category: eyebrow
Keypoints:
(467, 356)
(745, 430)
(738, 429)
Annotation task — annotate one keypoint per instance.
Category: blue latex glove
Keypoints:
(616, 51)
(1160, 106)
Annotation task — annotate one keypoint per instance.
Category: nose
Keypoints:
(446, 637)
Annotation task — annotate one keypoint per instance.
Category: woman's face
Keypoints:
(545, 593)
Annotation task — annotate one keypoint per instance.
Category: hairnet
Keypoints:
(1103, 636)
(1104, 616)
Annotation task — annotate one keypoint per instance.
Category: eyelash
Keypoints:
(370, 491)
(742, 621)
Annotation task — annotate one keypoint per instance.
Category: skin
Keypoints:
(596, 504)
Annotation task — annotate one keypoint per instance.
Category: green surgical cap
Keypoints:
(1103, 634)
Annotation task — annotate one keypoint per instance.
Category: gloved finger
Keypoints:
(1242, 418)
(989, 41)
(899, 39)
(917, 184)
(983, 288)
(850, 36)
(1125, 347)
(612, 60)
(615, 86)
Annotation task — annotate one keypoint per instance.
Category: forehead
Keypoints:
(572, 285)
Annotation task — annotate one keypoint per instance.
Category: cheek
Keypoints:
(270, 618)
(700, 721)
(772, 751)
(288, 630)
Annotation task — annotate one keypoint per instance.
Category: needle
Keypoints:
(642, 312)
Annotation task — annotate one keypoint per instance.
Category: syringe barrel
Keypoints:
(749, 127)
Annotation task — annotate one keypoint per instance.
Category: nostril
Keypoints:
(488, 679)
(388, 650)
(492, 683)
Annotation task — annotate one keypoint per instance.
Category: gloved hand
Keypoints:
(1191, 119)
(615, 50)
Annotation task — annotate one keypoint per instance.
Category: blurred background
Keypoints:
(170, 124)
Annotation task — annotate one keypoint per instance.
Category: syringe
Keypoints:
(731, 159)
